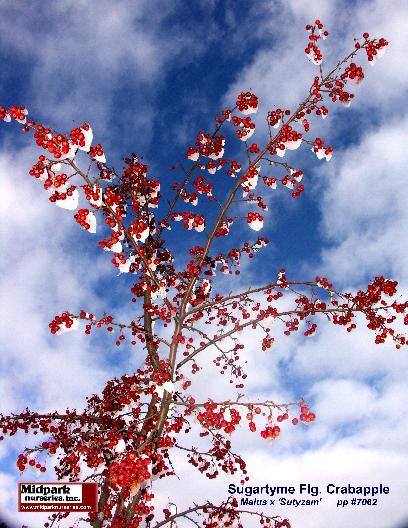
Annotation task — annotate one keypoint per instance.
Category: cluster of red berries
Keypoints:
(224, 228)
(191, 198)
(215, 148)
(247, 102)
(319, 145)
(306, 416)
(206, 145)
(254, 148)
(213, 417)
(114, 200)
(77, 135)
(210, 166)
(235, 167)
(282, 281)
(337, 92)
(232, 172)
(38, 169)
(203, 186)
(291, 326)
(59, 321)
(255, 220)
(22, 462)
(250, 179)
(258, 200)
(322, 111)
(312, 48)
(246, 124)
(316, 87)
(267, 343)
(311, 330)
(71, 461)
(273, 431)
(226, 114)
(270, 182)
(82, 218)
(96, 151)
(56, 196)
(57, 181)
(323, 282)
(354, 73)
(190, 220)
(161, 373)
(288, 134)
(290, 181)
(275, 116)
(270, 432)
(192, 153)
(57, 145)
(373, 48)
(110, 242)
(93, 194)
(318, 25)
(130, 470)
(18, 113)
(118, 260)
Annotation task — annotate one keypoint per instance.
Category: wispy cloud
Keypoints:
(364, 206)
(82, 65)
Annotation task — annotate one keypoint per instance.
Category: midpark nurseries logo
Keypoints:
(51, 496)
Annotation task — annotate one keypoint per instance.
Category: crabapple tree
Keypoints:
(124, 438)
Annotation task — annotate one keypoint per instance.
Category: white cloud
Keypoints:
(364, 206)
(82, 62)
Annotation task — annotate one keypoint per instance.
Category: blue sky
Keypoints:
(148, 78)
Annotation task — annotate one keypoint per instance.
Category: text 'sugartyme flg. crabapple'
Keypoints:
(125, 437)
